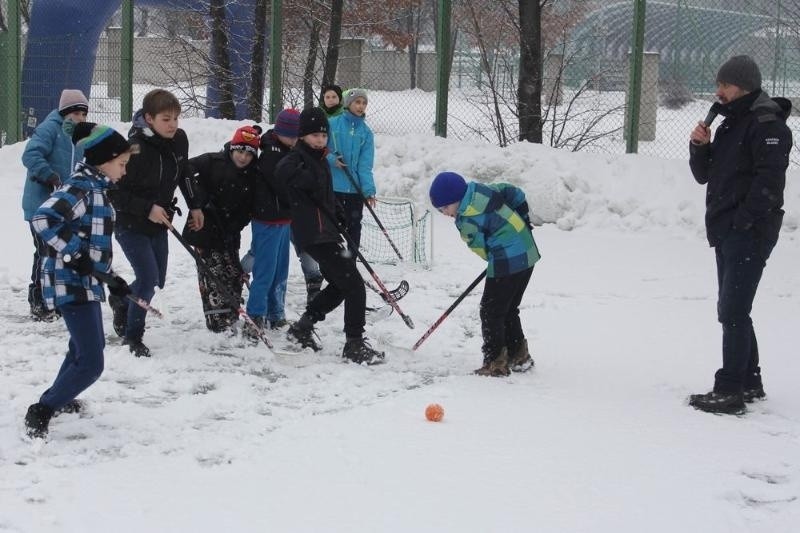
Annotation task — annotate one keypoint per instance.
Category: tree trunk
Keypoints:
(144, 27)
(311, 61)
(334, 36)
(529, 91)
(255, 106)
(221, 67)
(412, 30)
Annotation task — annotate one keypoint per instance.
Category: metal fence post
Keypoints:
(126, 63)
(10, 71)
(635, 85)
(443, 47)
(275, 65)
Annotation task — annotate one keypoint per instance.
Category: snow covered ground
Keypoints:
(212, 435)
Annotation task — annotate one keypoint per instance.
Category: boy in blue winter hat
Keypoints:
(76, 222)
(494, 221)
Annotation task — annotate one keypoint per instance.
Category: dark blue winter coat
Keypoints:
(745, 168)
(49, 151)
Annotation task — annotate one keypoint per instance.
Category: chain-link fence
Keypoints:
(392, 54)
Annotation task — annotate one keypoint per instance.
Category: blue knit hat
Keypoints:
(287, 123)
(447, 188)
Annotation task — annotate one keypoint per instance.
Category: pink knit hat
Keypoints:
(72, 100)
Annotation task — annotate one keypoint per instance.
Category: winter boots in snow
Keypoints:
(719, 402)
(519, 358)
(495, 366)
(251, 331)
(37, 420)
(754, 393)
(278, 324)
(359, 351)
(137, 347)
(313, 286)
(71, 407)
(302, 333)
(119, 308)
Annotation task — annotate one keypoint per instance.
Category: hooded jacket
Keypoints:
(49, 151)
(745, 168)
(151, 177)
(351, 138)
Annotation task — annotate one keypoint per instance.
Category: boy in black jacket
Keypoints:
(144, 201)
(308, 179)
(223, 183)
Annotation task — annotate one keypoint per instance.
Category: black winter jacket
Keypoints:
(745, 168)
(271, 197)
(308, 180)
(152, 176)
(225, 194)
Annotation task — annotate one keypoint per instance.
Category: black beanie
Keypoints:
(741, 71)
(100, 143)
(332, 87)
(313, 120)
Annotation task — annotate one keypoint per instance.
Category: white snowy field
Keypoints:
(211, 434)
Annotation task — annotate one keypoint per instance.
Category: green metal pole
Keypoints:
(777, 47)
(11, 71)
(443, 46)
(275, 65)
(126, 63)
(635, 85)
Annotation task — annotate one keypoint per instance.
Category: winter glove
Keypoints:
(54, 180)
(118, 286)
(82, 264)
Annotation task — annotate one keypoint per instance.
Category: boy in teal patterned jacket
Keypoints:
(495, 223)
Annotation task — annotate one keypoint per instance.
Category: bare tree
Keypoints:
(221, 65)
(311, 61)
(255, 106)
(334, 36)
(529, 91)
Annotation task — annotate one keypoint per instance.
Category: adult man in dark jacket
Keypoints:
(745, 172)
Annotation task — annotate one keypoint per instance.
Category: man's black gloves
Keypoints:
(81, 264)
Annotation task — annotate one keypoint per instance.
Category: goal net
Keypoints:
(411, 236)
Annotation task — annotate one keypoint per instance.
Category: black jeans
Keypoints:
(344, 284)
(35, 287)
(500, 322)
(353, 205)
(741, 259)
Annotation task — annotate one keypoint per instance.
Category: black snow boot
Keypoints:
(359, 351)
(119, 308)
(719, 402)
(752, 394)
(137, 348)
(251, 331)
(72, 406)
(37, 420)
(302, 333)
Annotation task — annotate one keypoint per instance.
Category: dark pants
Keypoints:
(148, 257)
(221, 304)
(83, 363)
(741, 259)
(353, 205)
(344, 284)
(500, 322)
(35, 288)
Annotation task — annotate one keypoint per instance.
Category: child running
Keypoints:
(76, 223)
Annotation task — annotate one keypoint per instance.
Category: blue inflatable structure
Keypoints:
(62, 46)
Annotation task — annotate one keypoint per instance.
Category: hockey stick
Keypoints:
(108, 279)
(384, 291)
(449, 310)
(233, 300)
(369, 207)
(397, 294)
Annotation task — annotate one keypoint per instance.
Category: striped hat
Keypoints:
(72, 100)
(100, 143)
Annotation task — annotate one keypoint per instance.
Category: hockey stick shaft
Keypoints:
(449, 310)
(369, 207)
(109, 280)
(233, 301)
(384, 291)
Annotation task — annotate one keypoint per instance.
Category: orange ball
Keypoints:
(434, 412)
